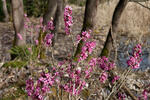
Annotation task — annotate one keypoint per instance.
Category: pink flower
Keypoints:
(20, 36)
(25, 15)
(115, 78)
(145, 93)
(103, 77)
(50, 25)
(135, 59)
(30, 49)
(78, 38)
(68, 19)
(36, 42)
(105, 64)
(93, 62)
(48, 39)
(86, 35)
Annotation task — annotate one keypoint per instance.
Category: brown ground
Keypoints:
(9, 77)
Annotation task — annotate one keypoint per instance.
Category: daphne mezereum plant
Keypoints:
(72, 76)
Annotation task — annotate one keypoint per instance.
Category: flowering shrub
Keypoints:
(43, 85)
(134, 61)
(70, 76)
(68, 19)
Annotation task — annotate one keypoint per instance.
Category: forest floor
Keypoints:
(12, 79)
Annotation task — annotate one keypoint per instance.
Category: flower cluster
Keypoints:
(103, 77)
(88, 71)
(75, 84)
(105, 64)
(68, 19)
(93, 62)
(50, 25)
(87, 49)
(84, 36)
(115, 78)
(145, 93)
(42, 87)
(48, 39)
(135, 59)
(68, 75)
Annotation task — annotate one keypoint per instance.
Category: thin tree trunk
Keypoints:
(57, 19)
(5, 11)
(112, 31)
(50, 11)
(89, 20)
(18, 21)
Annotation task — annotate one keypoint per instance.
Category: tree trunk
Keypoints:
(50, 11)
(89, 20)
(18, 21)
(5, 11)
(57, 19)
(112, 31)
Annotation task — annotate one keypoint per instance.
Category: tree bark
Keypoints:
(5, 11)
(57, 19)
(89, 20)
(112, 31)
(18, 21)
(50, 11)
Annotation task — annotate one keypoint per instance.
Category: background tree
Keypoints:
(50, 11)
(18, 21)
(114, 23)
(5, 10)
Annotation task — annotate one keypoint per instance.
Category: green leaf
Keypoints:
(15, 64)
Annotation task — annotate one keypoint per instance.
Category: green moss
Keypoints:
(15, 64)
(78, 51)
(105, 52)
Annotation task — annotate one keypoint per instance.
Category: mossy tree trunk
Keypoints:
(89, 21)
(5, 11)
(18, 21)
(112, 31)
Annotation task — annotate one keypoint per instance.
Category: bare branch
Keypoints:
(142, 5)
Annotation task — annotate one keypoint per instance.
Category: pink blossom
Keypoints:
(105, 64)
(86, 35)
(20, 36)
(48, 39)
(78, 38)
(145, 93)
(103, 77)
(36, 42)
(30, 49)
(68, 19)
(115, 78)
(135, 59)
(25, 15)
(50, 25)
(93, 62)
